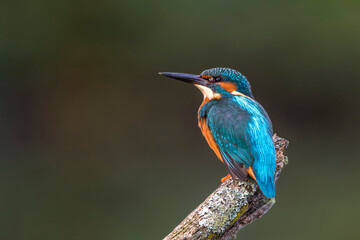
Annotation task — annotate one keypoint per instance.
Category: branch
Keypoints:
(232, 206)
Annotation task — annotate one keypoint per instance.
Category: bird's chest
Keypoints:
(204, 108)
(202, 122)
(202, 115)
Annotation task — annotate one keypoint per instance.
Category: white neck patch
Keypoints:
(236, 93)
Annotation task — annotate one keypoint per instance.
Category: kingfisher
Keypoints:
(236, 127)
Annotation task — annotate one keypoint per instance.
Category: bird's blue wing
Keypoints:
(242, 130)
(227, 123)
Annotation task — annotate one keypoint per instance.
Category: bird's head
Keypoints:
(216, 82)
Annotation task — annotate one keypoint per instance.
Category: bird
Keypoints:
(236, 127)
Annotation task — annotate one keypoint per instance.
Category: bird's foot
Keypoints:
(225, 178)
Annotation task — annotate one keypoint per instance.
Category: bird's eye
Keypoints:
(211, 79)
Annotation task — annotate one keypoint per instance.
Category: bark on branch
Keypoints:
(232, 206)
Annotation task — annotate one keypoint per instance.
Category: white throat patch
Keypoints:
(207, 92)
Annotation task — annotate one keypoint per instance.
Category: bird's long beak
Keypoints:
(188, 78)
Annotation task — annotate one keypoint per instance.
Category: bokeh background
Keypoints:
(96, 145)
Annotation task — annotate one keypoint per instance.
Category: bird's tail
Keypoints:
(267, 187)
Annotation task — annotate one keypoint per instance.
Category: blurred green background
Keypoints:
(96, 145)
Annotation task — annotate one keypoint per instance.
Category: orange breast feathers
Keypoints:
(209, 138)
(207, 134)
